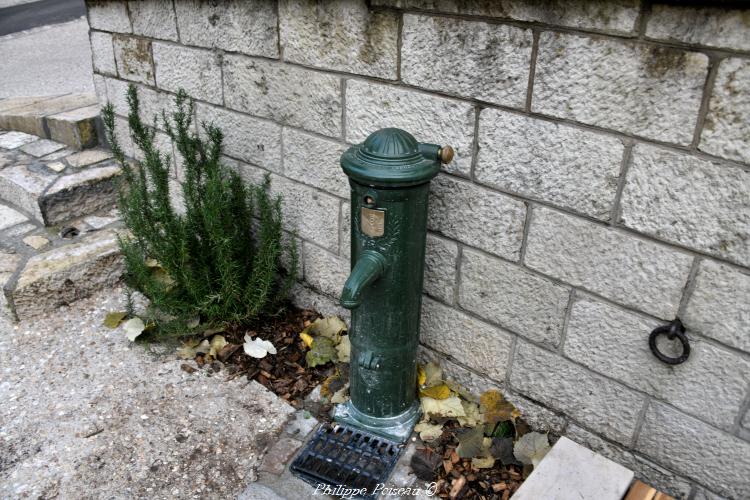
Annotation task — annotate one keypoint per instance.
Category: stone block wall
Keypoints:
(601, 188)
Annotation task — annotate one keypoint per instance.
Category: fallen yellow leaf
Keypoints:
(436, 392)
(307, 339)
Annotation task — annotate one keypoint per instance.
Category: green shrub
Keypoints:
(220, 260)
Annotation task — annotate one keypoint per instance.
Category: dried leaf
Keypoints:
(421, 376)
(424, 463)
(470, 443)
(133, 328)
(217, 344)
(307, 339)
(433, 374)
(496, 408)
(330, 385)
(482, 462)
(344, 349)
(531, 448)
(436, 391)
(448, 407)
(341, 396)
(257, 347)
(502, 449)
(473, 416)
(321, 352)
(113, 319)
(330, 327)
(428, 431)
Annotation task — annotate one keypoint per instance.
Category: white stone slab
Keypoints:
(573, 472)
(13, 140)
(10, 217)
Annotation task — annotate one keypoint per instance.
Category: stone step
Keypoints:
(70, 119)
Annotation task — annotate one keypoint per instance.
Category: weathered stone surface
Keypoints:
(605, 406)
(312, 214)
(36, 242)
(713, 27)
(696, 450)
(12, 103)
(249, 139)
(108, 16)
(103, 53)
(68, 273)
(702, 494)
(567, 166)
(153, 18)
(646, 471)
(81, 193)
(618, 16)
(479, 345)
(283, 93)
(100, 88)
(8, 264)
(489, 62)
(617, 265)
(726, 131)
(248, 26)
(512, 297)
(10, 217)
(305, 297)
(22, 186)
(689, 201)
(195, 70)
(476, 216)
(649, 91)
(88, 157)
(324, 271)
(314, 161)
(41, 147)
(56, 166)
(718, 307)
(440, 262)
(345, 232)
(31, 117)
(76, 128)
(341, 35)
(151, 102)
(14, 140)
(133, 59)
(614, 342)
(370, 107)
(280, 453)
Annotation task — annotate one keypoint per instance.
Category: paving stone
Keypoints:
(620, 266)
(21, 102)
(68, 273)
(133, 58)
(109, 16)
(711, 26)
(57, 155)
(14, 140)
(614, 342)
(440, 263)
(76, 128)
(42, 147)
(342, 36)
(689, 201)
(249, 139)
(483, 347)
(249, 27)
(196, 71)
(315, 161)
(324, 271)
(566, 470)
(283, 93)
(56, 166)
(97, 222)
(23, 186)
(300, 424)
(726, 131)
(19, 230)
(489, 62)
(717, 306)
(582, 79)
(88, 157)
(154, 19)
(280, 453)
(36, 242)
(559, 164)
(370, 107)
(81, 193)
(103, 53)
(31, 118)
(696, 450)
(9, 262)
(512, 297)
(476, 216)
(10, 217)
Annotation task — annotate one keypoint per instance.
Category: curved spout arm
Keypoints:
(370, 266)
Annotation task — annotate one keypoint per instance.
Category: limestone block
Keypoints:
(726, 131)
(324, 271)
(697, 450)
(314, 161)
(8, 264)
(615, 264)
(10, 217)
(103, 53)
(283, 93)
(30, 118)
(88, 157)
(14, 140)
(249, 27)
(340, 35)
(649, 91)
(195, 70)
(76, 128)
(512, 297)
(151, 102)
(440, 262)
(689, 201)
(718, 305)
(345, 238)
(305, 297)
(476, 216)
(559, 164)
(108, 15)
(489, 62)
(603, 405)
(36, 242)
(81, 193)
(41, 147)
(23, 185)
(370, 107)
(614, 342)
(133, 59)
(248, 139)
(154, 19)
(479, 345)
(68, 273)
(711, 26)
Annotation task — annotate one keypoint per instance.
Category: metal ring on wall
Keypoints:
(672, 330)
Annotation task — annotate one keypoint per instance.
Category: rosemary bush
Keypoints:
(218, 261)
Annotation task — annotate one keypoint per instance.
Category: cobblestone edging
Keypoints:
(599, 188)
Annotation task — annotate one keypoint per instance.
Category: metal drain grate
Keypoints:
(339, 455)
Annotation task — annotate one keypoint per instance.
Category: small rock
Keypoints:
(57, 166)
(187, 368)
(35, 241)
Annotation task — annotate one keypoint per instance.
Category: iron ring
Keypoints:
(672, 330)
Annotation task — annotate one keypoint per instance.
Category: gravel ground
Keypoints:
(86, 414)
